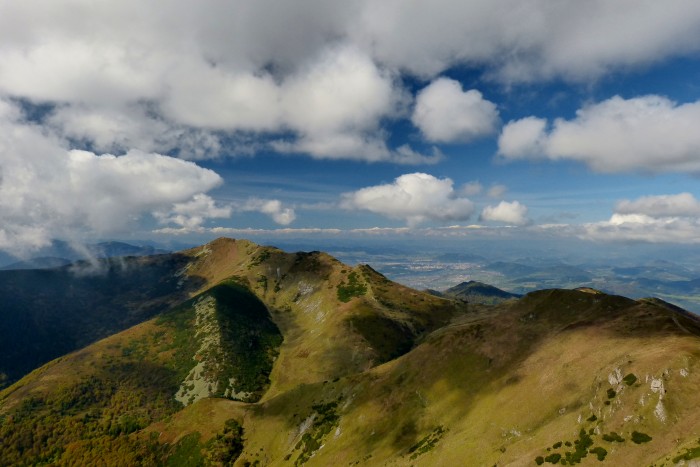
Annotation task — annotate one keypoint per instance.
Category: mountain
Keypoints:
(60, 253)
(48, 313)
(478, 292)
(262, 357)
(41, 262)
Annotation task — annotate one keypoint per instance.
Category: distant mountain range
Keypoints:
(61, 253)
(234, 353)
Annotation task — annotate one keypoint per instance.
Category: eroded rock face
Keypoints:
(199, 382)
(615, 377)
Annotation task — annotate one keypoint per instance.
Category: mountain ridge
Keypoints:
(367, 371)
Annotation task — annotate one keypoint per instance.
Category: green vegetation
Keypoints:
(325, 418)
(613, 437)
(539, 460)
(96, 416)
(592, 418)
(263, 256)
(226, 447)
(353, 288)
(600, 452)
(639, 438)
(427, 443)
(611, 393)
(249, 341)
(629, 379)
(581, 446)
(689, 454)
(186, 453)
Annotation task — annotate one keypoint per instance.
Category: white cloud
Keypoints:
(271, 207)
(680, 205)
(524, 138)
(640, 228)
(650, 219)
(647, 134)
(529, 40)
(414, 198)
(445, 113)
(116, 129)
(512, 213)
(325, 74)
(49, 191)
(192, 214)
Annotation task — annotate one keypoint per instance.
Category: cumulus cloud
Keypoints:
(512, 213)
(650, 219)
(192, 214)
(649, 133)
(445, 113)
(524, 138)
(271, 207)
(414, 198)
(49, 191)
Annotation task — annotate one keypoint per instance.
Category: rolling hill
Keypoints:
(478, 292)
(249, 355)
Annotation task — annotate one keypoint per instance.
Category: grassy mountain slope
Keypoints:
(220, 343)
(334, 365)
(336, 320)
(500, 388)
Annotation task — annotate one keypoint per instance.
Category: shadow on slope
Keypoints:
(49, 313)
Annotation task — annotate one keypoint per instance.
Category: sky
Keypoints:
(459, 121)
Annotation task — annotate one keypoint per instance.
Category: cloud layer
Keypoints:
(647, 134)
(314, 77)
(650, 219)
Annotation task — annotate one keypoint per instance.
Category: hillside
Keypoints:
(478, 292)
(277, 358)
(48, 313)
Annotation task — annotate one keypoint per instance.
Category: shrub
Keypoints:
(354, 288)
(639, 438)
(613, 437)
(600, 452)
(629, 379)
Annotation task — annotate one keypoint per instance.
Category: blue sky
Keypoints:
(450, 121)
